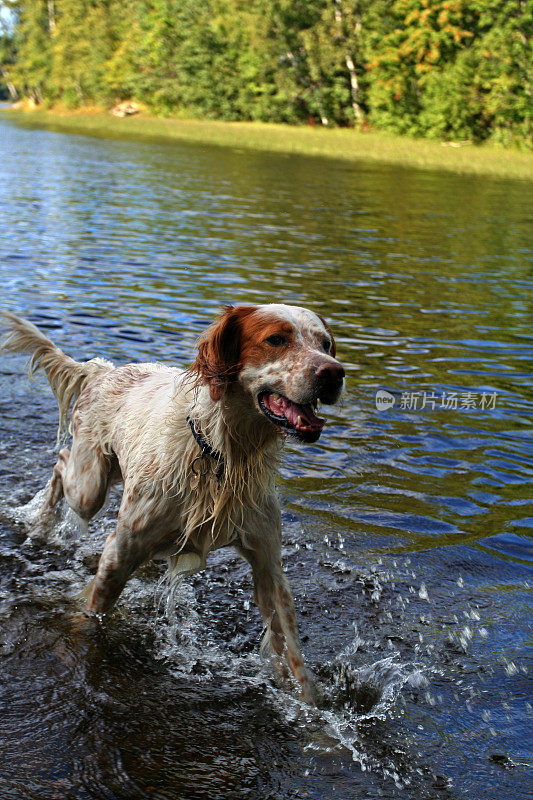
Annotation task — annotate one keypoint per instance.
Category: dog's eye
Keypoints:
(276, 340)
(326, 344)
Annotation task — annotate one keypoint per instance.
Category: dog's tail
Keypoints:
(67, 377)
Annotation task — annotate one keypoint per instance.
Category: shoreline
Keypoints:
(343, 144)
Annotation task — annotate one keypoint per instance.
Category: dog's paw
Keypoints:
(310, 693)
(83, 623)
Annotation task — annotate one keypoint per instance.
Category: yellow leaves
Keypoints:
(405, 50)
(395, 87)
(459, 34)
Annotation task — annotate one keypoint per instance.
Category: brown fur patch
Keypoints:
(237, 339)
(219, 350)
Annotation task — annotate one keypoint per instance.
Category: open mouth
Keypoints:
(298, 420)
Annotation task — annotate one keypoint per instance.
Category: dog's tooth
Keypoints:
(298, 422)
(275, 396)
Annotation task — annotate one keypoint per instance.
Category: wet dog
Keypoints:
(196, 450)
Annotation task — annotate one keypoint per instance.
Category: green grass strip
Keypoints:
(338, 143)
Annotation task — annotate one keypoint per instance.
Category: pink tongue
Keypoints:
(283, 407)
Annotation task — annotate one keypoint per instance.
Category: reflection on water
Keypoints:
(407, 531)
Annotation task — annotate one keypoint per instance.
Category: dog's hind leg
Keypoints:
(85, 477)
(82, 477)
(142, 523)
(54, 490)
(124, 551)
(119, 560)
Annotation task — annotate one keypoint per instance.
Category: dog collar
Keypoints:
(206, 451)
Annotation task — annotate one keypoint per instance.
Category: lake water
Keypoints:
(407, 531)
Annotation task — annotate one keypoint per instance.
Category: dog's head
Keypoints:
(282, 356)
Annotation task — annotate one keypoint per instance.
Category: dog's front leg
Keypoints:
(275, 592)
(274, 599)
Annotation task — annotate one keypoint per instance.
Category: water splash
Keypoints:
(58, 525)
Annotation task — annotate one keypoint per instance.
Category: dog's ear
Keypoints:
(219, 350)
(333, 351)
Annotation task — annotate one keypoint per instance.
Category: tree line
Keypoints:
(452, 69)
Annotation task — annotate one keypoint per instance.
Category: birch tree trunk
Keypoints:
(350, 66)
(51, 17)
(10, 86)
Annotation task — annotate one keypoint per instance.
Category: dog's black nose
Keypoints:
(329, 377)
(330, 372)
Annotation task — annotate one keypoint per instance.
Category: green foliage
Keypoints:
(7, 57)
(31, 71)
(81, 45)
(491, 80)
(456, 69)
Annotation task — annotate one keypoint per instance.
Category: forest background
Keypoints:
(444, 69)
